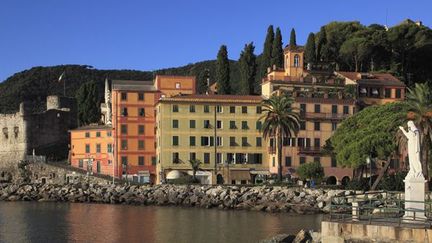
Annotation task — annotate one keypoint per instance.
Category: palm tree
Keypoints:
(419, 100)
(281, 120)
(195, 164)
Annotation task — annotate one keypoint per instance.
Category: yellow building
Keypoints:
(222, 131)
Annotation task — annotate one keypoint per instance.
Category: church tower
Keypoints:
(293, 61)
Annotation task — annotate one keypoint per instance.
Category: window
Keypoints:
(302, 160)
(254, 158)
(346, 110)
(296, 60)
(317, 126)
(258, 125)
(98, 134)
(317, 142)
(206, 109)
(207, 141)
(98, 148)
(191, 123)
(232, 125)
(308, 142)
(109, 148)
(124, 111)
(109, 134)
(175, 157)
(273, 162)
(288, 161)
(123, 96)
(219, 141)
(87, 134)
(141, 160)
(301, 142)
(153, 159)
(398, 93)
(219, 109)
(232, 141)
(175, 124)
(206, 158)
(192, 140)
(175, 140)
(219, 124)
(258, 142)
(258, 109)
(244, 109)
(387, 93)
(244, 142)
(232, 109)
(123, 129)
(140, 96)
(302, 109)
(192, 156)
(244, 125)
(87, 148)
(140, 144)
(334, 126)
(302, 125)
(175, 108)
(124, 144)
(219, 158)
(206, 123)
(191, 108)
(317, 159)
(141, 112)
(334, 109)
(80, 163)
(177, 85)
(333, 162)
(124, 160)
(140, 129)
(317, 108)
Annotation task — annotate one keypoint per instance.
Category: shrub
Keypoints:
(312, 170)
(393, 182)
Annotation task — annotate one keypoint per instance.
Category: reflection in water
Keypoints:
(61, 222)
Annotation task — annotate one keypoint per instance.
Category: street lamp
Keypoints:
(368, 162)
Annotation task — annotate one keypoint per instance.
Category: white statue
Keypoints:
(108, 118)
(413, 136)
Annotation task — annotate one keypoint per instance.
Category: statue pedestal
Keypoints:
(414, 198)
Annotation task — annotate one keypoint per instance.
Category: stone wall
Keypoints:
(13, 139)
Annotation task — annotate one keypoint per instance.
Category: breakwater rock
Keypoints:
(259, 198)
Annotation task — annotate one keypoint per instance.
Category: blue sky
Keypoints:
(150, 34)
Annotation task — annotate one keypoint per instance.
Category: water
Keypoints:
(63, 222)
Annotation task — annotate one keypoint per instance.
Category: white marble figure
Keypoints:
(413, 136)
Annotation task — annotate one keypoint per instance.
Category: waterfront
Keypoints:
(69, 222)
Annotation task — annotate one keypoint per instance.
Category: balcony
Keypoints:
(310, 150)
(323, 116)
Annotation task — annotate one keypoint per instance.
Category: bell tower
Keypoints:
(293, 61)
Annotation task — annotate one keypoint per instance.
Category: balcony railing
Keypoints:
(323, 116)
(310, 150)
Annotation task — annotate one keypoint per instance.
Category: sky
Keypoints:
(154, 34)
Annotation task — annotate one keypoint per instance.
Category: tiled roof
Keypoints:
(373, 78)
(133, 85)
(293, 48)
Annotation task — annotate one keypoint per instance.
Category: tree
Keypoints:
(310, 50)
(277, 51)
(247, 66)
(280, 120)
(293, 41)
(195, 165)
(355, 50)
(88, 103)
(368, 133)
(322, 42)
(223, 71)
(312, 170)
(267, 52)
(419, 100)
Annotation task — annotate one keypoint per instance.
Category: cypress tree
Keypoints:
(277, 51)
(310, 52)
(267, 52)
(223, 71)
(247, 66)
(88, 103)
(322, 41)
(293, 41)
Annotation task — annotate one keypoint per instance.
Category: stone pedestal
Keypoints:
(414, 191)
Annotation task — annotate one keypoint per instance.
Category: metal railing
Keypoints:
(380, 207)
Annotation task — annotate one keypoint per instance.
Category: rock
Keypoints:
(302, 237)
(280, 238)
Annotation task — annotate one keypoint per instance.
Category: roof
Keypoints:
(373, 78)
(296, 48)
(93, 127)
(215, 98)
(133, 85)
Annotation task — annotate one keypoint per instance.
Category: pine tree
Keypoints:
(247, 66)
(223, 71)
(293, 41)
(321, 45)
(267, 52)
(310, 51)
(277, 51)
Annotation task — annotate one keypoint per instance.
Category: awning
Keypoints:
(239, 175)
(174, 174)
(260, 172)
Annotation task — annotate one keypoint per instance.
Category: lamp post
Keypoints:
(368, 162)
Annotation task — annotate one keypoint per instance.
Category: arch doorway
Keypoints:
(345, 180)
(219, 179)
(331, 180)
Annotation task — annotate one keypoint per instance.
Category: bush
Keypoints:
(358, 184)
(312, 170)
(393, 182)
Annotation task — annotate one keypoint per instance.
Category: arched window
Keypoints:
(296, 60)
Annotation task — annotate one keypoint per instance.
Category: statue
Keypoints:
(413, 136)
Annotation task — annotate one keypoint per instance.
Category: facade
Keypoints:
(43, 133)
(324, 98)
(222, 131)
